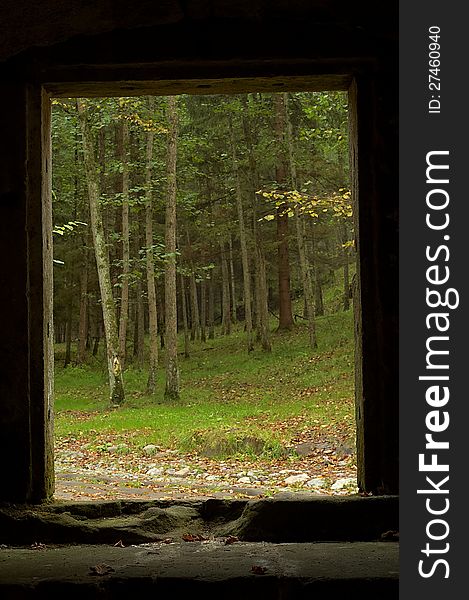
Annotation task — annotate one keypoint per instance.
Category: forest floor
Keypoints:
(82, 473)
(246, 425)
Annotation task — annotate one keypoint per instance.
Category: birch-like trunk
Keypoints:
(171, 340)
(116, 386)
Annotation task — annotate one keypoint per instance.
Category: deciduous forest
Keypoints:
(203, 280)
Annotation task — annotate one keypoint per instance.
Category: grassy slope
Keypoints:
(225, 393)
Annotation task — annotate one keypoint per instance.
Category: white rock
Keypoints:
(301, 478)
(316, 483)
(212, 477)
(155, 471)
(346, 482)
(182, 472)
(244, 480)
(150, 449)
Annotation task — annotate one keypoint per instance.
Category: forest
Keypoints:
(194, 228)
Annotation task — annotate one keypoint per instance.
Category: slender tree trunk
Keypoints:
(151, 289)
(211, 309)
(140, 316)
(171, 340)
(244, 247)
(307, 284)
(195, 314)
(343, 239)
(68, 326)
(318, 299)
(83, 322)
(285, 304)
(203, 310)
(226, 315)
(194, 303)
(234, 314)
(124, 312)
(263, 303)
(117, 396)
(184, 316)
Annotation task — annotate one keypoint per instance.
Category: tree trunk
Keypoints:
(184, 316)
(203, 310)
(244, 247)
(345, 253)
(171, 340)
(234, 314)
(151, 289)
(68, 326)
(285, 304)
(226, 315)
(211, 309)
(307, 284)
(264, 328)
(124, 312)
(140, 337)
(318, 299)
(117, 396)
(83, 322)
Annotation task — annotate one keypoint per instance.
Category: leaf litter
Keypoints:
(101, 466)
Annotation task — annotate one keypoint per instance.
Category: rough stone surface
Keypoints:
(209, 568)
(288, 518)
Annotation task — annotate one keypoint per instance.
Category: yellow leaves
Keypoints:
(337, 204)
(145, 124)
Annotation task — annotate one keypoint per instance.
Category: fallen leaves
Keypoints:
(38, 546)
(231, 539)
(258, 569)
(101, 570)
(189, 537)
(86, 473)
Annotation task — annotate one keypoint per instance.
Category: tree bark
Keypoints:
(194, 302)
(211, 309)
(68, 325)
(345, 253)
(150, 264)
(83, 322)
(226, 314)
(285, 304)
(203, 310)
(184, 316)
(117, 396)
(124, 312)
(172, 368)
(234, 314)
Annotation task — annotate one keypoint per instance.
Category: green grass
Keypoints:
(226, 394)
